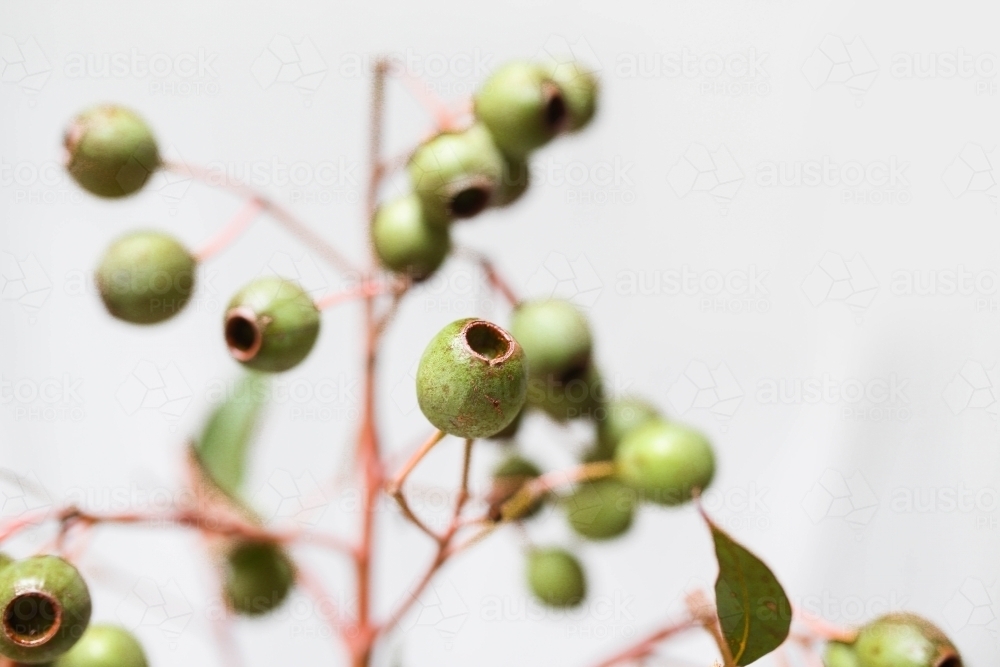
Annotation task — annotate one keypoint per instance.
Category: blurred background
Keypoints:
(782, 225)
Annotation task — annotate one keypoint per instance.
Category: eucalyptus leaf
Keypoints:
(753, 610)
(225, 442)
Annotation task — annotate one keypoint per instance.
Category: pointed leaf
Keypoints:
(225, 442)
(753, 610)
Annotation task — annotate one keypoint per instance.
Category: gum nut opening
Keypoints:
(470, 198)
(555, 111)
(32, 618)
(243, 334)
(488, 342)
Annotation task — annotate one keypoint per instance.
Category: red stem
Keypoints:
(232, 231)
(648, 644)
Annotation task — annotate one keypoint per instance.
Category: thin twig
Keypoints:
(397, 482)
(232, 231)
(368, 444)
(364, 290)
(444, 118)
(496, 281)
(532, 491)
(648, 644)
(279, 213)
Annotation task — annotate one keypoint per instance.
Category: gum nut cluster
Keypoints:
(895, 640)
(271, 325)
(620, 417)
(104, 646)
(457, 174)
(110, 151)
(558, 344)
(665, 462)
(601, 510)
(525, 104)
(146, 277)
(45, 607)
(258, 577)
(406, 241)
(472, 379)
(556, 577)
(508, 477)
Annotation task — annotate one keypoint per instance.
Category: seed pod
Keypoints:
(44, 608)
(838, 654)
(110, 151)
(405, 241)
(472, 379)
(665, 462)
(619, 417)
(146, 277)
(556, 577)
(456, 174)
(104, 646)
(258, 577)
(509, 432)
(904, 640)
(514, 181)
(580, 89)
(578, 393)
(602, 509)
(508, 478)
(522, 107)
(271, 325)
(555, 336)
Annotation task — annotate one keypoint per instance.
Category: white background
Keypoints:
(880, 493)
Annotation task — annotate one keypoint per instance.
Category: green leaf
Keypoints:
(753, 610)
(225, 442)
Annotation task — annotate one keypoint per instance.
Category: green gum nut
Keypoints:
(904, 640)
(576, 394)
(472, 379)
(457, 174)
(580, 90)
(146, 277)
(665, 462)
(555, 336)
(508, 477)
(110, 151)
(522, 107)
(556, 577)
(271, 325)
(514, 181)
(509, 432)
(104, 646)
(258, 578)
(619, 417)
(405, 241)
(45, 607)
(601, 510)
(838, 654)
